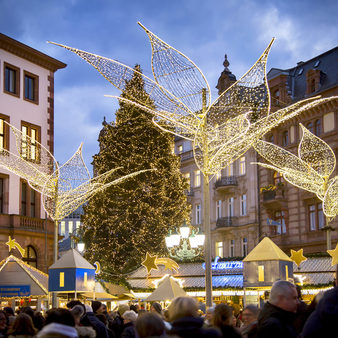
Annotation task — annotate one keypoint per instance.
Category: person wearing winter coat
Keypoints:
(278, 314)
(183, 314)
(323, 321)
(223, 321)
(129, 330)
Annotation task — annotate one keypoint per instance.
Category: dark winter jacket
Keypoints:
(128, 331)
(250, 330)
(323, 321)
(99, 327)
(191, 327)
(275, 322)
(228, 331)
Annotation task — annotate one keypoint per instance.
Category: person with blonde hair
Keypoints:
(183, 314)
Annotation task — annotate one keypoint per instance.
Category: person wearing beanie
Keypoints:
(157, 308)
(129, 330)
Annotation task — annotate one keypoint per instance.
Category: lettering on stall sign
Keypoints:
(229, 265)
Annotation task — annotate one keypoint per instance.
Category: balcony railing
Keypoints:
(32, 223)
(187, 155)
(226, 181)
(226, 222)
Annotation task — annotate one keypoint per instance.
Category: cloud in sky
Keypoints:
(203, 30)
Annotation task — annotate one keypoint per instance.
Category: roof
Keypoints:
(71, 259)
(14, 271)
(19, 49)
(326, 63)
(167, 290)
(266, 250)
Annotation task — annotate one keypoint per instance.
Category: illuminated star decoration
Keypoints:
(334, 255)
(12, 244)
(180, 100)
(297, 256)
(151, 262)
(63, 188)
(310, 171)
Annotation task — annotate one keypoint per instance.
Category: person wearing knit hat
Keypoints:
(122, 309)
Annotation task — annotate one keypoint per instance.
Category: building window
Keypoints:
(230, 170)
(219, 249)
(230, 207)
(243, 205)
(29, 146)
(198, 214)
(70, 227)
(31, 88)
(180, 149)
(32, 202)
(187, 177)
(77, 224)
(309, 127)
(30, 256)
(85, 279)
(329, 122)
(244, 246)
(318, 127)
(316, 216)
(271, 139)
(275, 97)
(62, 228)
(218, 175)
(1, 195)
(242, 166)
(12, 80)
(285, 138)
(24, 189)
(218, 209)
(197, 182)
(232, 248)
(4, 135)
(277, 178)
(280, 218)
(261, 273)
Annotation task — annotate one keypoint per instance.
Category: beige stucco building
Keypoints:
(26, 102)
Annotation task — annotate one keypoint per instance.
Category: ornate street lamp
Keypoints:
(185, 244)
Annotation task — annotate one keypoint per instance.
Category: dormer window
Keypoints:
(275, 97)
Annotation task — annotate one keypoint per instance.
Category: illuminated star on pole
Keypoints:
(334, 255)
(297, 256)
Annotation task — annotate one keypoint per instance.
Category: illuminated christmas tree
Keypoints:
(124, 223)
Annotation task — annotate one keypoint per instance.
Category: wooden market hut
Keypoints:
(22, 282)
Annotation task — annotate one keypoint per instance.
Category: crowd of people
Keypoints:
(284, 315)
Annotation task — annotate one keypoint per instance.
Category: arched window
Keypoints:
(30, 256)
(277, 178)
(318, 128)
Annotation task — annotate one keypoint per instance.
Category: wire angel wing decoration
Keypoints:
(180, 97)
(310, 170)
(63, 188)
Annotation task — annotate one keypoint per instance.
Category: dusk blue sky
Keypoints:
(204, 30)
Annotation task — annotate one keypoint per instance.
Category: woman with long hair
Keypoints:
(22, 327)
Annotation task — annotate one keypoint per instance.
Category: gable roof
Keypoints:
(167, 290)
(71, 259)
(14, 271)
(266, 250)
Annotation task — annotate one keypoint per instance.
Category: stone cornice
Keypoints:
(19, 49)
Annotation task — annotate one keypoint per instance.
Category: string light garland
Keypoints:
(180, 97)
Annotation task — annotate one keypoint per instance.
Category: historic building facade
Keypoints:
(27, 102)
(300, 222)
(241, 206)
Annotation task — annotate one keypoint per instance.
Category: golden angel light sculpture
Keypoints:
(310, 171)
(63, 188)
(180, 100)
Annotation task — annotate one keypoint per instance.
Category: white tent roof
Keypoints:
(72, 259)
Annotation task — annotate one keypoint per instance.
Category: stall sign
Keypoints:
(15, 291)
(229, 265)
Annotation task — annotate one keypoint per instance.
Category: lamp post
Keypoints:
(185, 244)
